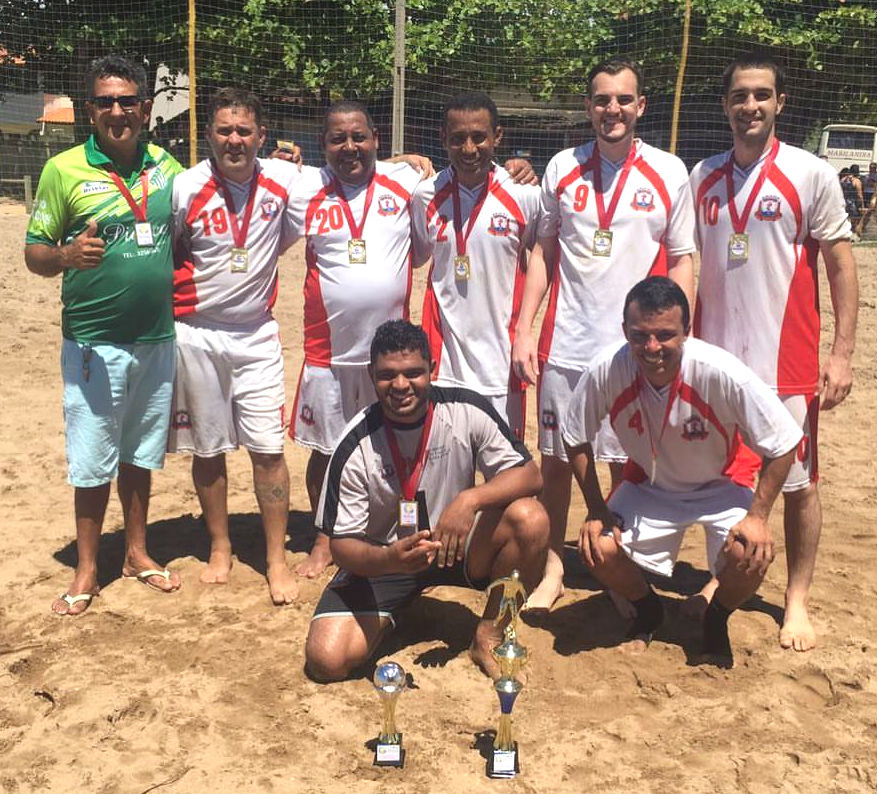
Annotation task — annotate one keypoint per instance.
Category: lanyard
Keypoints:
(409, 482)
(739, 221)
(355, 231)
(138, 210)
(462, 236)
(239, 231)
(671, 398)
(604, 216)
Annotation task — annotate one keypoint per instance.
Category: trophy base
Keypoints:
(390, 754)
(503, 763)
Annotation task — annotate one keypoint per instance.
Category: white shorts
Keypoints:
(228, 390)
(805, 469)
(654, 521)
(327, 398)
(555, 388)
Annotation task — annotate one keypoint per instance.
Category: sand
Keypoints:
(204, 690)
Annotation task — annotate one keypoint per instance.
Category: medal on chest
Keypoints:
(738, 247)
(143, 233)
(356, 251)
(240, 260)
(462, 268)
(602, 243)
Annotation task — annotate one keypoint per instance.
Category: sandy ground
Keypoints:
(204, 690)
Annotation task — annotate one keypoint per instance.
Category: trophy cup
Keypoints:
(389, 680)
(511, 657)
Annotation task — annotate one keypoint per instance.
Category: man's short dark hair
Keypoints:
(472, 100)
(615, 65)
(397, 336)
(755, 59)
(657, 294)
(115, 66)
(234, 97)
(854, 169)
(348, 106)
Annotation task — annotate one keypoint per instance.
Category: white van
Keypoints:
(845, 144)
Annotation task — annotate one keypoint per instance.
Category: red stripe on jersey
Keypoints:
(432, 322)
(691, 396)
(798, 352)
(514, 209)
(391, 184)
(659, 263)
(440, 198)
(271, 186)
(622, 401)
(314, 204)
(577, 173)
(318, 344)
(652, 175)
(743, 463)
(547, 333)
(406, 311)
(633, 472)
(707, 183)
(272, 298)
(185, 294)
(207, 192)
(515, 383)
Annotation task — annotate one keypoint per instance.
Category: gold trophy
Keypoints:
(389, 680)
(511, 657)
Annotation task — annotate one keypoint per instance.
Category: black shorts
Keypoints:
(348, 594)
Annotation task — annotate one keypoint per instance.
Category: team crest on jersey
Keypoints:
(269, 207)
(387, 204)
(500, 225)
(90, 188)
(182, 420)
(549, 420)
(306, 414)
(769, 209)
(643, 199)
(693, 429)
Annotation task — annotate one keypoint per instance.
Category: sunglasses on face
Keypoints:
(126, 102)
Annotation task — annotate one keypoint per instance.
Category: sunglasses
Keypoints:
(126, 102)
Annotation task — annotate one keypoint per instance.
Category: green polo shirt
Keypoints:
(128, 297)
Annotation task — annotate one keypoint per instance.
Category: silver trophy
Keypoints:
(389, 680)
(511, 657)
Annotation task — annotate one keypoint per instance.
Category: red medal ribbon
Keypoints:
(355, 231)
(239, 231)
(671, 398)
(409, 482)
(460, 235)
(138, 210)
(604, 216)
(739, 221)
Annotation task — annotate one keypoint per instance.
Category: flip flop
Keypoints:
(71, 600)
(145, 576)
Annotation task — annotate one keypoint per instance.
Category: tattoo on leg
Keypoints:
(272, 493)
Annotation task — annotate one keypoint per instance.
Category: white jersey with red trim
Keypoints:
(717, 401)
(653, 220)
(346, 298)
(208, 285)
(765, 308)
(470, 316)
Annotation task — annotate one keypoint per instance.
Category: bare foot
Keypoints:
(282, 584)
(622, 605)
(487, 637)
(162, 579)
(550, 589)
(218, 567)
(78, 597)
(695, 606)
(797, 631)
(318, 560)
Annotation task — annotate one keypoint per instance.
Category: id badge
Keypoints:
(143, 232)
(602, 242)
(408, 522)
(356, 251)
(738, 247)
(240, 259)
(462, 268)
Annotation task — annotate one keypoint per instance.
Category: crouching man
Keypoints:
(401, 508)
(680, 408)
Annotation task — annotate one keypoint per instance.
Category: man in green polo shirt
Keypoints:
(102, 218)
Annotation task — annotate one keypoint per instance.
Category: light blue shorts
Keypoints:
(117, 401)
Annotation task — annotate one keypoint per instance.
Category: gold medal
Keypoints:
(356, 251)
(462, 268)
(240, 259)
(738, 247)
(602, 243)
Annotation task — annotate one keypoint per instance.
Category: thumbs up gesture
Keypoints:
(86, 250)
